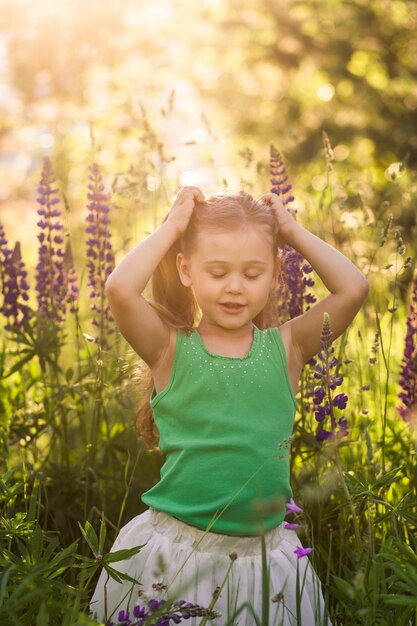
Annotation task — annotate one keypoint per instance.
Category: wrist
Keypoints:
(290, 234)
(173, 229)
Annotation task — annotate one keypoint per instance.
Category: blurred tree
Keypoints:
(347, 67)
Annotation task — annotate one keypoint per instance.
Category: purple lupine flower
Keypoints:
(50, 280)
(340, 400)
(71, 279)
(300, 551)
(123, 616)
(13, 284)
(154, 605)
(178, 611)
(291, 293)
(324, 403)
(292, 507)
(291, 526)
(408, 372)
(140, 611)
(99, 252)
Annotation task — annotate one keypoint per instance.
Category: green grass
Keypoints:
(73, 470)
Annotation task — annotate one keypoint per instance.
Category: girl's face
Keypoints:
(231, 274)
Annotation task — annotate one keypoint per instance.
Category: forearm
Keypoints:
(136, 268)
(336, 271)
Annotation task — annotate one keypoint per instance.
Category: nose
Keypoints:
(234, 285)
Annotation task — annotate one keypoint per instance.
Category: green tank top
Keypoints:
(221, 420)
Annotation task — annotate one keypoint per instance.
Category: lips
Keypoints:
(232, 308)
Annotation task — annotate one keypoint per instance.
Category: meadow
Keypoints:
(72, 468)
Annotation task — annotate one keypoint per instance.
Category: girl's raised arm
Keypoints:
(136, 319)
(347, 285)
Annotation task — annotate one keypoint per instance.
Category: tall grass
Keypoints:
(72, 471)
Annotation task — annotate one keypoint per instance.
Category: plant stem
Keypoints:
(348, 497)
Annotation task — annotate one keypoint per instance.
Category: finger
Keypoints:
(190, 188)
(198, 194)
(271, 198)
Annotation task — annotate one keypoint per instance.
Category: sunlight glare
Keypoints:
(46, 140)
(325, 92)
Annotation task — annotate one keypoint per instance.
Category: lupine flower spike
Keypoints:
(175, 613)
(408, 373)
(13, 284)
(325, 403)
(291, 295)
(99, 252)
(50, 279)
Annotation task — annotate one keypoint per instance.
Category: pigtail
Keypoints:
(174, 302)
(176, 306)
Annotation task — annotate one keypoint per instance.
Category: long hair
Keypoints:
(174, 302)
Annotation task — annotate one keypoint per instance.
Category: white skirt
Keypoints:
(187, 563)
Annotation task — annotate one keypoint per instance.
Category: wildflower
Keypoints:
(291, 294)
(13, 284)
(292, 507)
(154, 605)
(50, 278)
(300, 551)
(340, 400)
(99, 252)
(408, 372)
(291, 526)
(324, 403)
(123, 616)
(140, 611)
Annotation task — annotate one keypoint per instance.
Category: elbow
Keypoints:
(110, 286)
(362, 289)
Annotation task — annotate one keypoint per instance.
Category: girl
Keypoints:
(222, 401)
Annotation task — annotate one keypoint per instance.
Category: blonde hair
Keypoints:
(174, 302)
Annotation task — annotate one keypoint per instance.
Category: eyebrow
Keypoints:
(251, 262)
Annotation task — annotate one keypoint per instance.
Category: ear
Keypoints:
(275, 275)
(184, 269)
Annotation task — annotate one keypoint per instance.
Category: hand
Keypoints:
(183, 207)
(286, 222)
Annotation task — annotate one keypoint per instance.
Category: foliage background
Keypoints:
(166, 93)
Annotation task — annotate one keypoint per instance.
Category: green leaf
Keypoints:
(388, 478)
(43, 616)
(120, 576)
(90, 536)
(122, 555)
(344, 587)
(399, 600)
(18, 366)
(4, 577)
(102, 537)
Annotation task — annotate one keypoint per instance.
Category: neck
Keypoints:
(208, 329)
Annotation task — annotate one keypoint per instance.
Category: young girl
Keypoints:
(222, 403)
